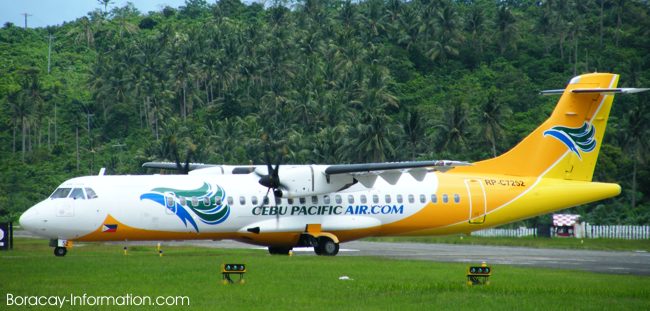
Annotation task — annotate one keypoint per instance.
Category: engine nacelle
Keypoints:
(306, 180)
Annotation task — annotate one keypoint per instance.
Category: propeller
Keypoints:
(272, 179)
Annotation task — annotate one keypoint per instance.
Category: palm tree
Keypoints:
(492, 114)
(448, 35)
(413, 127)
(453, 129)
(634, 140)
(475, 25)
(105, 3)
(620, 8)
(506, 29)
(84, 32)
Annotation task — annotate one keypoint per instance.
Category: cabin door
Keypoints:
(477, 201)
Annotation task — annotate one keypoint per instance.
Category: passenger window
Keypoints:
(326, 199)
(266, 201)
(242, 200)
(278, 200)
(388, 198)
(423, 198)
(363, 199)
(375, 198)
(445, 198)
(230, 201)
(338, 199)
(77, 194)
(302, 200)
(350, 199)
(254, 200)
(434, 198)
(399, 198)
(206, 201)
(290, 200)
(314, 199)
(60, 193)
(90, 193)
(456, 198)
(170, 201)
(217, 201)
(411, 198)
(182, 201)
(195, 201)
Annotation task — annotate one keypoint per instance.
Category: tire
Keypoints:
(326, 247)
(275, 250)
(60, 251)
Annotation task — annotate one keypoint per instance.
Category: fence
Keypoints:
(583, 230)
(617, 232)
(513, 233)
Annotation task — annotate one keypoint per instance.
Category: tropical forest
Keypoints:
(322, 82)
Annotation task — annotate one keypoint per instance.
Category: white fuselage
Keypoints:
(121, 197)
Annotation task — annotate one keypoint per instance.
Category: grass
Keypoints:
(562, 243)
(303, 282)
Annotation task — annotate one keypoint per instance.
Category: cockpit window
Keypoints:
(77, 194)
(60, 193)
(90, 193)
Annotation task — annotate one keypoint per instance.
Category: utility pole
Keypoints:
(26, 14)
(49, 52)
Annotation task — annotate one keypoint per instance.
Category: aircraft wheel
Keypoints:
(327, 247)
(60, 251)
(274, 250)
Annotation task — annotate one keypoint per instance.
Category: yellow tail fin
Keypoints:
(566, 145)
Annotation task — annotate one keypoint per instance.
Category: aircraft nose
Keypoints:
(28, 220)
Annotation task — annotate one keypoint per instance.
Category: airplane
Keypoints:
(321, 206)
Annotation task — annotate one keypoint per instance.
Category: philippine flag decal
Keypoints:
(109, 228)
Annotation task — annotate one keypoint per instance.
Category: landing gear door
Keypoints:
(477, 201)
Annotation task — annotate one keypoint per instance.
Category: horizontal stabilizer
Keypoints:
(622, 90)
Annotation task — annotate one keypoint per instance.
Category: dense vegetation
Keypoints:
(324, 81)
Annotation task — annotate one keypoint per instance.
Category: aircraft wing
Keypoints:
(438, 165)
(367, 173)
(173, 166)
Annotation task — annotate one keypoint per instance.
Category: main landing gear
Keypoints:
(323, 246)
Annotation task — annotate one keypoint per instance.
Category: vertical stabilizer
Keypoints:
(566, 145)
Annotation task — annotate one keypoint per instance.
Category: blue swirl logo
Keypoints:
(577, 139)
(206, 202)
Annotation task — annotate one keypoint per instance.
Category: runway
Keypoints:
(614, 262)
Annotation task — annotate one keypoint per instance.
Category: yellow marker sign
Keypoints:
(232, 268)
(479, 275)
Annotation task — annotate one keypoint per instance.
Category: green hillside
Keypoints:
(327, 81)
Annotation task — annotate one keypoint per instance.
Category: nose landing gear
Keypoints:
(60, 251)
(60, 247)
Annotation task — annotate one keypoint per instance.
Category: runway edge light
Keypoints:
(479, 275)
